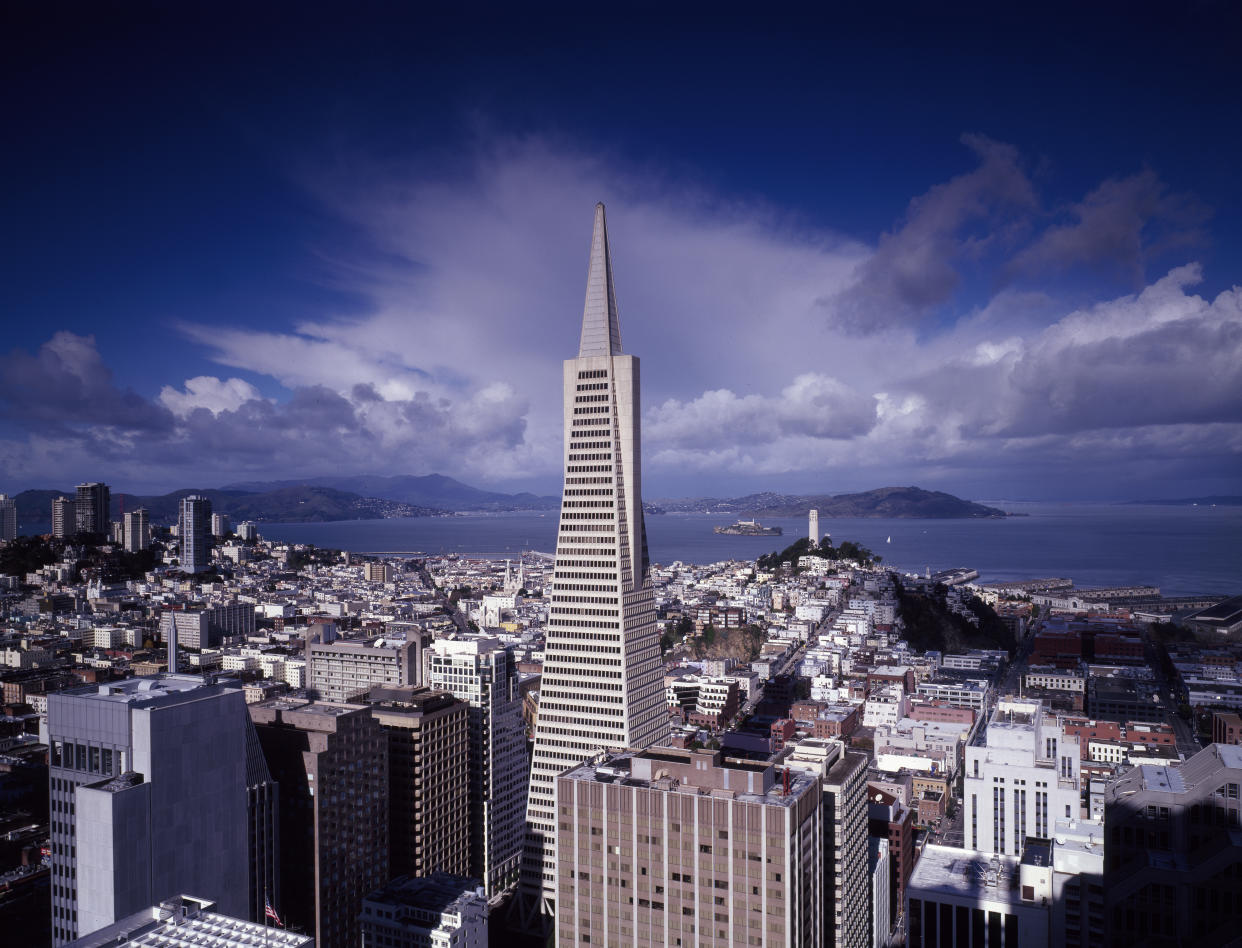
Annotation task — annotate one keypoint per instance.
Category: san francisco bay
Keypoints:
(1183, 550)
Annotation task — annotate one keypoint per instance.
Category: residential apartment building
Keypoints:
(347, 670)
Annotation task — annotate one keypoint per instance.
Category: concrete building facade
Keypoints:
(665, 847)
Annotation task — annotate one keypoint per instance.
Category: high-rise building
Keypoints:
(429, 821)
(482, 672)
(194, 531)
(8, 518)
(602, 675)
(331, 764)
(219, 525)
(1173, 851)
(94, 508)
(843, 816)
(137, 530)
(64, 517)
(148, 798)
(666, 847)
(1021, 777)
(813, 528)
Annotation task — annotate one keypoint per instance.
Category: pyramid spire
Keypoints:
(601, 329)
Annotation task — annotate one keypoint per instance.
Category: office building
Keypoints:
(208, 628)
(189, 922)
(426, 733)
(667, 847)
(482, 672)
(377, 572)
(64, 517)
(194, 533)
(8, 518)
(94, 509)
(1173, 851)
(137, 530)
(411, 912)
(602, 675)
(148, 792)
(881, 891)
(843, 816)
(346, 670)
(331, 764)
(1022, 775)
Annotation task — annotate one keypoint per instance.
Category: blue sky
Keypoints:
(994, 254)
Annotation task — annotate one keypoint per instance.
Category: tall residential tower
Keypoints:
(602, 681)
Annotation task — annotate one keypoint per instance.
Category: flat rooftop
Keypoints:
(144, 689)
(963, 873)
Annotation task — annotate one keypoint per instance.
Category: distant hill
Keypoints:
(429, 490)
(1227, 500)
(297, 504)
(897, 502)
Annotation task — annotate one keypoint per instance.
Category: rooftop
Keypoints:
(188, 922)
(964, 873)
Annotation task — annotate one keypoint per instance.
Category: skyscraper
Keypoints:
(148, 798)
(331, 764)
(137, 530)
(64, 517)
(194, 529)
(94, 513)
(8, 518)
(602, 676)
(482, 672)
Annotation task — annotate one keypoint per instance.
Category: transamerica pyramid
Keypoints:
(602, 680)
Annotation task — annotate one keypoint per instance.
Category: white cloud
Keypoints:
(207, 391)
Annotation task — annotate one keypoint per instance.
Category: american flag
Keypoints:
(271, 912)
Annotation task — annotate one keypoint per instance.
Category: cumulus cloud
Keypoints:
(207, 391)
(453, 365)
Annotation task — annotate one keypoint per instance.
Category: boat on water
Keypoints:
(749, 528)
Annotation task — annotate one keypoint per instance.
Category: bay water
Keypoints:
(1183, 550)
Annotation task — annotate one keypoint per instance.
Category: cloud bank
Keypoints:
(772, 348)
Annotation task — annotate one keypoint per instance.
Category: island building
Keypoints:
(428, 779)
(186, 921)
(331, 764)
(137, 530)
(149, 784)
(602, 681)
(94, 508)
(194, 533)
(440, 910)
(483, 673)
(8, 518)
(1023, 774)
(666, 846)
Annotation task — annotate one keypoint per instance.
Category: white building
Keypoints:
(602, 675)
(885, 706)
(189, 922)
(438, 911)
(1022, 775)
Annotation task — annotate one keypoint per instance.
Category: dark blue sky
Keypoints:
(375, 222)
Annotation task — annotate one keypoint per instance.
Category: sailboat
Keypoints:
(889, 540)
